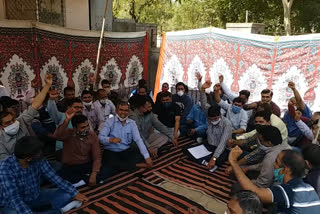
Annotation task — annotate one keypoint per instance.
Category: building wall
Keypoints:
(77, 14)
(2, 10)
(97, 12)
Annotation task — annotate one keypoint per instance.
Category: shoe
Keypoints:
(199, 140)
(71, 205)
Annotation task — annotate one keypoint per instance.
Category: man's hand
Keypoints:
(114, 140)
(149, 162)
(175, 141)
(234, 154)
(91, 78)
(69, 114)
(189, 121)
(198, 76)
(93, 179)
(81, 197)
(211, 163)
(53, 94)
(231, 142)
(48, 79)
(228, 170)
(217, 87)
(191, 132)
(292, 85)
(297, 115)
(207, 84)
(153, 152)
(221, 78)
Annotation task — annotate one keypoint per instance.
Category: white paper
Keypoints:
(199, 151)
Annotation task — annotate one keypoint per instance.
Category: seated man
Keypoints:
(13, 128)
(146, 121)
(311, 155)
(165, 88)
(197, 123)
(142, 92)
(112, 95)
(20, 183)
(104, 104)
(169, 114)
(271, 143)
(243, 202)
(81, 154)
(293, 130)
(266, 97)
(292, 195)
(68, 94)
(235, 113)
(94, 114)
(184, 101)
(243, 94)
(117, 136)
(219, 131)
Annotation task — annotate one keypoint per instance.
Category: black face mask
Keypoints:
(84, 133)
(167, 105)
(147, 112)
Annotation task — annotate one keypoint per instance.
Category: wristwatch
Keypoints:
(214, 158)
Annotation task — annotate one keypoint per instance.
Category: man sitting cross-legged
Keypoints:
(20, 183)
(81, 154)
(117, 137)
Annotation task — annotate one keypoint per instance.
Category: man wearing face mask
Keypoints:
(270, 141)
(20, 183)
(184, 101)
(297, 103)
(81, 154)
(104, 104)
(12, 128)
(146, 121)
(117, 138)
(292, 195)
(142, 92)
(169, 114)
(235, 112)
(94, 114)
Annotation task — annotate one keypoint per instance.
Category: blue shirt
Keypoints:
(239, 120)
(293, 129)
(296, 197)
(19, 185)
(199, 118)
(128, 132)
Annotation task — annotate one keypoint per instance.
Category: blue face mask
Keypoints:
(167, 105)
(236, 109)
(278, 177)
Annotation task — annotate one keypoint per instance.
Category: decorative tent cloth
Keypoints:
(147, 191)
(29, 50)
(247, 61)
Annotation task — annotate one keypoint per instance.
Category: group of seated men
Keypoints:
(268, 155)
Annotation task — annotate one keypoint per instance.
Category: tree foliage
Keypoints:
(172, 15)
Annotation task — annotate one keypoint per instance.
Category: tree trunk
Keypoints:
(287, 5)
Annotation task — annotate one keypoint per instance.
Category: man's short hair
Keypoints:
(78, 119)
(295, 162)
(267, 91)
(214, 111)
(249, 202)
(105, 82)
(245, 93)
(8, 102)
(141, 101)
(84, 92)
(100, 90)
(311, 153)
(165, 83)
(122, 103)
(141, 83)
(68, 88)
(165, 94)
(270, 133)
(238, 100)
(265, 114)
(72, 101)
(28, 146)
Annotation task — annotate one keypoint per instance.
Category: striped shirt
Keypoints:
(296, 197)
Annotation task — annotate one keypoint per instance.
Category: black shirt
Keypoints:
(167, 115)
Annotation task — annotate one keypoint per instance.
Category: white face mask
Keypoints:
(87, 104)
(207, 90)
(216, 122)
(122, 119)
(103, 101)
(262, 147)
(12, 129)
(180, 93)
